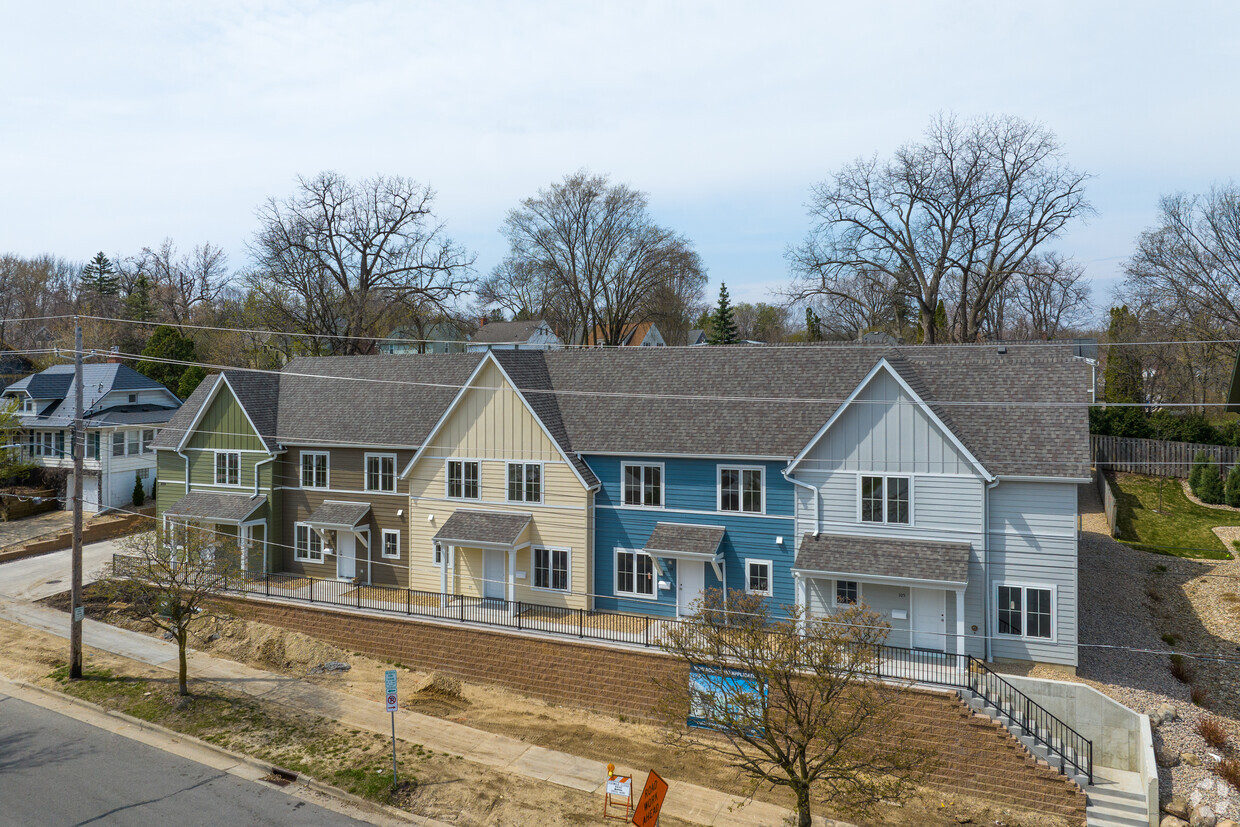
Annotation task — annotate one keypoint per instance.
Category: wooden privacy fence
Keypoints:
(1155, 457)
(1107, 494)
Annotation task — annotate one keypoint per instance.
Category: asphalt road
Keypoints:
(55, 770)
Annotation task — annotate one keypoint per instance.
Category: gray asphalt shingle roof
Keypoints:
(334, 513)
(503, 332)
(882, 557)
(466, 526)
(98, 380)
(209, 505)
(700, 540)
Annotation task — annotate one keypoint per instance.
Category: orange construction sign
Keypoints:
(648, 806)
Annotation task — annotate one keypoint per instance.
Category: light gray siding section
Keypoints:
(1033, 542)
(885, 430)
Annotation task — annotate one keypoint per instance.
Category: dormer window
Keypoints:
(27, 405)
(133, 398)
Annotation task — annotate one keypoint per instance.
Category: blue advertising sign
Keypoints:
(716, 693)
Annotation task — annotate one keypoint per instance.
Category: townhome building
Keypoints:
(936, 485)
(123, 412)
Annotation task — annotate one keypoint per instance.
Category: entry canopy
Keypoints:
(691, 543)
(338, 515)
(882, 559)
(232, 509)
(483, 529)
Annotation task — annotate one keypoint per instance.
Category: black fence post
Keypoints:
(518, 615)
(408, 601)
(460, 602)
(267, 583)
(357, 590)
(311, 589)
(581, 623)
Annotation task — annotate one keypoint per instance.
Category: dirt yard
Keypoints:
(578, 732)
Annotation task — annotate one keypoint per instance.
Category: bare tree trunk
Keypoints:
(182, 669)
(805, 818)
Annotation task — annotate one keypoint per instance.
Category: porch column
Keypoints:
(443, 576)
(802, 600)
(960, 648)
(452, 567)
(512, 578)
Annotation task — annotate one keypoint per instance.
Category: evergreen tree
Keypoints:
(940, 324)
(138, 304)
(139, 493)
(1232, 488)
(722, 323)
(99, 277)
(813, 325)
(1201, 464)
(168, 343)
(1211, 488)
(1122, 378)
(190, 379)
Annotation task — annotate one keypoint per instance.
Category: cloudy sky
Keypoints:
(125, 123)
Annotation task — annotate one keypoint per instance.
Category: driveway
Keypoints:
(37, 577)
(16, 532)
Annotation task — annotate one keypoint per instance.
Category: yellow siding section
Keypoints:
(491, 424)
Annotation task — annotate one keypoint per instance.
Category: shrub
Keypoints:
(1200, 463)
(1211, 489)
(1182, 669)
(1213, 731)
(1200, 697)
(1170, 639)
(1229, 771)
(139, 493)
(1232, 489)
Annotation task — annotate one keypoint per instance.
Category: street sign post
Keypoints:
(389, 691)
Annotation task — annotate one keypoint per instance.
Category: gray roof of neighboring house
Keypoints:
(882, 557)
(698, 540)
(696, 336)
(208, 505)
(132, 415)
(334, 514)
(1023, 413)
(502, 332)
(466, 526)
(98, 380)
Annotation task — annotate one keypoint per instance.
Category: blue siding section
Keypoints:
(691, 497)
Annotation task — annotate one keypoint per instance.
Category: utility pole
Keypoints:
(79, 449)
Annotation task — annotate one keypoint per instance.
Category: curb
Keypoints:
(249, 761)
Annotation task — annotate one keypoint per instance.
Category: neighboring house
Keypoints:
(641, 334)
(124, 411)
(696, 338)
(632, 480)
(531, 335)
(437, 338)
(13, 366)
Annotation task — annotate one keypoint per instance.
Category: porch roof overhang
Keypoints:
(880, 559)
(231, 509)
(679, 541)
(339, 516)
(483, 529)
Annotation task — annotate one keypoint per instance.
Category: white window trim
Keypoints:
(366, 458)
(835, 597)
(438, 554)
(569, 587)
(542, 481)
(297, 555)
(383, 535)
(1024, 607)
(770, 576)
(911, 516)
(464, 499)
(662, 485)
(719, 469)
(634, 595)
(215, 471)
(301, 458)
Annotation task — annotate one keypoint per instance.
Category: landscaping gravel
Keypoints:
(1129, 599)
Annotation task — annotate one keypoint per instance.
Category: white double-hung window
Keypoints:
(463, 479)
(1025, 611)
(228, 468)
(885, 500)
(551, 569)
(634, 573)
(742, 489)
(524, 482)
(314, 469)
(642, 484)
(309, 545)
(381, 472)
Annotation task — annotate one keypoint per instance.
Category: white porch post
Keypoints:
(960, 648)
(451, 568)
(512, 579)
(802, 599)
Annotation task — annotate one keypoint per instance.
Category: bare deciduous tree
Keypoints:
(790, 702)
(180, 285)
(965, 208)
(341, 257)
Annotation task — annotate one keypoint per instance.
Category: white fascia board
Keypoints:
(1022, 478)
(813, 574)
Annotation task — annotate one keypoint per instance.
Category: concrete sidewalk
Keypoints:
(687, 801)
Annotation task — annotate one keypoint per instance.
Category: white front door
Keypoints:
(493, 573)
(928, 617)
(346, 555)
(690, 580)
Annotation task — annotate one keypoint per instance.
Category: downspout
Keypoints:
(986, 564)
(817, 505)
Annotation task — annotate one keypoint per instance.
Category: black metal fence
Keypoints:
(957, 671)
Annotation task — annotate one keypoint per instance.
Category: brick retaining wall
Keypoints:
(977, 757)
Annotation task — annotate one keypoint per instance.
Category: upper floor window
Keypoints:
(228, 468)
(133, 443)
(381, 472)
(1025, 611)
(314, 466)
(524, 482)
(741, 489)
(118, 444)
(148, 436)
(133, 397)
(885, 500)
(643, 485)
(463, 479)
(27, 405)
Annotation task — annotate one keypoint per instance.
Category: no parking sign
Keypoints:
(389, 689)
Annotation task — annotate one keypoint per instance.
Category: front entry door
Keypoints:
(346, 555)
(690, 580)
(929, 619)
(493, 574)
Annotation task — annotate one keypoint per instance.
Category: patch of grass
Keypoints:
(1201, 697)
(1182, 669)
(1170, 639)
(1213, 731)
(1182, 529)
(1229, 771)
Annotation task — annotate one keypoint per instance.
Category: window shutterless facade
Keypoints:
(758, 577)
(846, 592)
(315, 467)
(886, 500)
(228, 468)
(524, 482)
(463, 479)
(381, 472)
(551, 569)
(634, 574)
(1025, 611)
(148, 436)
(742, 489)
(642, 484)
(391, 543)
(309, 545)
(118, 445)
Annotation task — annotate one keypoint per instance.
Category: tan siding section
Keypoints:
(492, 424)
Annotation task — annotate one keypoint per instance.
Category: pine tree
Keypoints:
(99, 276)
(813, 325)
(138, 304)
(722, 323)
(139, 493)
(1122, 378)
